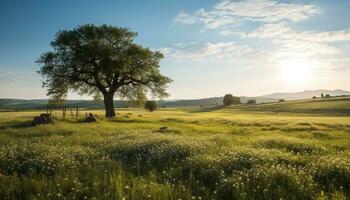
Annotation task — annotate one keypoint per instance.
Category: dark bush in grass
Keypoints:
(267, 182)
(210, 169)
(151, 105)
(28, 159)
(321, 135)
(332, 173)
(292, 145)
(156, 154)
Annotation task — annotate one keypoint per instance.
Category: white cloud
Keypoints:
(318, 46)
(318, 49)
(185, 18)
(198, 52)
(226, 32)
(284, 32)
(229, 13)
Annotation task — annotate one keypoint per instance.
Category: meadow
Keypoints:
(289, 150)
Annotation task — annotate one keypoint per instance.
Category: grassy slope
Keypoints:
(336, 106)
(230, 153)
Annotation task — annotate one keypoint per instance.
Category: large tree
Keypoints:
(102, 61)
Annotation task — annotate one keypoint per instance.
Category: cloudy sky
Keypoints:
(247, 48)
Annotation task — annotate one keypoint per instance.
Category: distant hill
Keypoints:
(307, 94)
(336, 106)
(210, 101)
(41, 103)
(17, 104)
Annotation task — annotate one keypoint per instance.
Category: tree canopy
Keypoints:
(102, 61)
(229, 99)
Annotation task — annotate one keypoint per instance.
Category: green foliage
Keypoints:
(138, 100)
(229, 99)
(101, 61)
(151, 105)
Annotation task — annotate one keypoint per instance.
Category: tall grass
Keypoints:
(201, 156)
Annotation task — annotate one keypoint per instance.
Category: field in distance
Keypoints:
(287, 150)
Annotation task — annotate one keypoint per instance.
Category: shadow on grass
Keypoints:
(25, 124)
(16, 125)
(208, 109)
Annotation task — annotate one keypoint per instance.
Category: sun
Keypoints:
(296, 71)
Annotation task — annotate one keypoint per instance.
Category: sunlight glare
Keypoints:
(295, 71)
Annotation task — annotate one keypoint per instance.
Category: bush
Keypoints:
(229, 99)
(332, 173)
(151, 154)
(281, 100)
(151, 105)
(251, 101)
(268, 182)
(292, 145)
(328, 96)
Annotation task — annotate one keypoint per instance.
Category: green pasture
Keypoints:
(288, 150)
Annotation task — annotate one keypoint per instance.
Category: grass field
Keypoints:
(290, 150)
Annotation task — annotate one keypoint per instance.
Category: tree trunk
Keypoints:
(109, 105)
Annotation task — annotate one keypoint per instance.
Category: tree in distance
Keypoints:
(151, 105)
(102, 61)
(322, 95)
(229, 99)
(327, 96)
(251, 101)
(281, 100)
(314, 97)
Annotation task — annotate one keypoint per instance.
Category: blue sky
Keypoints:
(249, 48)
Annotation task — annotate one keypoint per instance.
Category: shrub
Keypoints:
(229, 99)
(251, 101)
(332, 173)
(328, 96)
(281, 100)
(268, 182)
(292, 145)
(151, 105)
(149, 154)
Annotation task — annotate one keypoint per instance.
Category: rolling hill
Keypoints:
(18, 104)
(335, 106)
(41, 103)
(307, 94)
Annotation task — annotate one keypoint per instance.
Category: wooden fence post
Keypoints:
(77, 112)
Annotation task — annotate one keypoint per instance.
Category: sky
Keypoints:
(246, 48)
